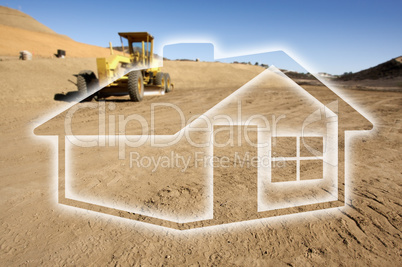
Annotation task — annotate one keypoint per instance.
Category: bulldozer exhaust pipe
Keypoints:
(111, 48)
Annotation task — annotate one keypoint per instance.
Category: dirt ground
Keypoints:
(21, 32)
(36, 230)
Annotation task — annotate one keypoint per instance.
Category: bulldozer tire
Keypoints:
(84, 80)
(160, 79)
(168, 87)
(135, 86)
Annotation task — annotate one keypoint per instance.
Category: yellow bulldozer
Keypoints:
(126, 75)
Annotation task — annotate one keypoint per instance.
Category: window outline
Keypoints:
(298, 158)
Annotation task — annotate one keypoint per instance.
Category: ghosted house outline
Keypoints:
(258, 214)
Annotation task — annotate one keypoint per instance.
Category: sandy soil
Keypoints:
(19, 32)
(36, 230)
(17, 19)
(393, 85)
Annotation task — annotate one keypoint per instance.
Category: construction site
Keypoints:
(39, 226)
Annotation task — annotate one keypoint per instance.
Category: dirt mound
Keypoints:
(387, 70)
(191, 74)
(44, 44)
(19, 32)
(15, 18)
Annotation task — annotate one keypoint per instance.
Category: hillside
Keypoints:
(387, 70)
(17, 19)
(19, 32)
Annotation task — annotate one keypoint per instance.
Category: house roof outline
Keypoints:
(178, 225)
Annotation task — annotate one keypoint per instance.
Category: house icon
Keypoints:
(269, 148)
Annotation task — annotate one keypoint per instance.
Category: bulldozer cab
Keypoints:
(140, 46)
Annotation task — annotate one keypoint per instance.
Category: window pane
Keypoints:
(283, 147)
(311, 169)
(283, 171)
(311, 146)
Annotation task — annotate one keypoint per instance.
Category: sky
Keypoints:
(324, 36)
